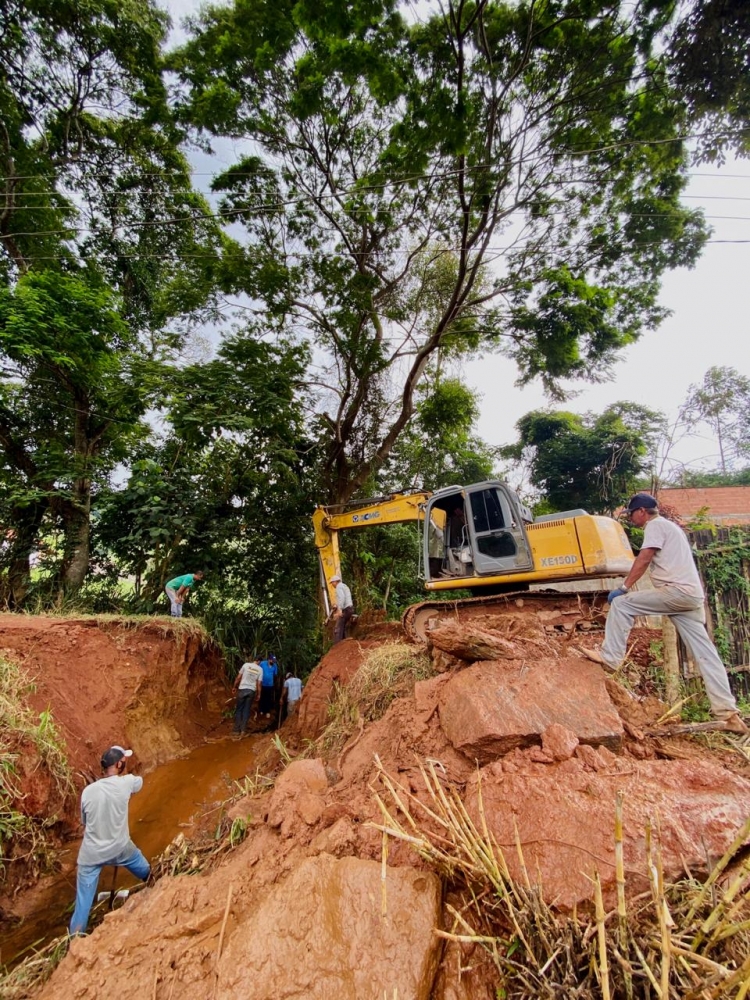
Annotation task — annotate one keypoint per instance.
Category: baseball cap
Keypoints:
(114, 755)
(335, 577)
(642, 500)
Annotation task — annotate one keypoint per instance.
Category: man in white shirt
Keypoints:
(106, 836)
(677, 593)
(246, 684)
(343, 609)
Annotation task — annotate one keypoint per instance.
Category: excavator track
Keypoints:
(565, 612)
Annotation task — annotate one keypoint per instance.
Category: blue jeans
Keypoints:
(87, 881)
(242, 711)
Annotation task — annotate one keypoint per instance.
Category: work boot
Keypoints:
(733, 724)
(596, 657)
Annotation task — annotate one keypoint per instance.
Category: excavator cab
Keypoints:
(475, 531)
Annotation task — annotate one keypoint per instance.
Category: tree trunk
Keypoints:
(25, 524)
(671, 661)
(76, 512)
(77, 548)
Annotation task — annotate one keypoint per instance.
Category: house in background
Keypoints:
(724, 506)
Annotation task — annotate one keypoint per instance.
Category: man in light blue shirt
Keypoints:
(343, 609)
(292, 693)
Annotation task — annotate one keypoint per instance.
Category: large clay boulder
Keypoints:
(565, 817)
(338, 666)
(322, 934)
(493, 707)
(299, 794)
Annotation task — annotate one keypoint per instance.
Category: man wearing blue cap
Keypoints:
(678, 593)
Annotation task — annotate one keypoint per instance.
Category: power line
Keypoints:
(330, 253)
(271, 209)
(291, 201)
(609, 147)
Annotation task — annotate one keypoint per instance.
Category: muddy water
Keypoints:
(174, 796)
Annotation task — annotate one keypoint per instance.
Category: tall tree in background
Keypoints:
(227, 489)
(722, 401)
(440, 447)
(590, 461)
(103, 247)
(494, 176)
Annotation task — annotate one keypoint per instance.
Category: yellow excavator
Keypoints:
(480, 538)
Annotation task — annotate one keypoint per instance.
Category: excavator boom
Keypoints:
(329, 521)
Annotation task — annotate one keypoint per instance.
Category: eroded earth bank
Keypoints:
(72, 687)
(442, 818)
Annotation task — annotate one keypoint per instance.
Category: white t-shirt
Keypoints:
(343, 596)
(293, 686)
(104, 813)
(673, 564)
(251, 676)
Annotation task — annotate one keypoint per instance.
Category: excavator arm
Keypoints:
(329, 521)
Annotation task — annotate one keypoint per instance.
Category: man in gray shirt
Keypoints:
(106, 837)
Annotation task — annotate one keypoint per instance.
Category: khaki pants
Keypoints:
(690, 621)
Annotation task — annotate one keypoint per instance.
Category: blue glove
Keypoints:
(615, 593)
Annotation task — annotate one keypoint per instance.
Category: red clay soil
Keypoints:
(338, 666)
(319, 817)
(154, 687)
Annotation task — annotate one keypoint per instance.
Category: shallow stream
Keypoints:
(174, 797)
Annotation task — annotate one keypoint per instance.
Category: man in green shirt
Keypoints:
(178, 589)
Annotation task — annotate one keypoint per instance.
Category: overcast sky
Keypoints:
(708, 325)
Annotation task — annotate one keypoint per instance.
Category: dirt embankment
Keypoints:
(152, 685)
(532, 746)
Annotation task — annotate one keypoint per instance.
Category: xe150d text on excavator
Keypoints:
(482, 538)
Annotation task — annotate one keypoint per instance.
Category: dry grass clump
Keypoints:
(22, 835)
(688, 940)
(166, 625)
(387, 672)
(25, 979)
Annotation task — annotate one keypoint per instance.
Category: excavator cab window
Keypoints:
(491, 524)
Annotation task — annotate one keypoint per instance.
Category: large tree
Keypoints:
(486, 176)
(592, 461)
(722, 401)
(710, 64)
(227, 489)
(104, 249)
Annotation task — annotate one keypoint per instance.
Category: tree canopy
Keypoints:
(492, 176)
(590, 461)
(187, 369)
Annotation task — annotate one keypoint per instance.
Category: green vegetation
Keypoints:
(591, 461)
(188, 367)
(23, 732)
(725, 565)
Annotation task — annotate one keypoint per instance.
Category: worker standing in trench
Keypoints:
(106, 835)
(678, 594)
